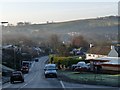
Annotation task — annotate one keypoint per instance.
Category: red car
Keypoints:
(25, 69)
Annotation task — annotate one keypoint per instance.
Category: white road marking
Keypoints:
(62, 84)
(28, 82)
(6, 86)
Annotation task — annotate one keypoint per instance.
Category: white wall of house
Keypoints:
(113, 52)
(93, 56)
(113, 64)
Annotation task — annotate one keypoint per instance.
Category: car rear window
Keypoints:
(50, 67)
(16, 74)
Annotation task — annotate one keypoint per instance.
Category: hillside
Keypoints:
(103, 28)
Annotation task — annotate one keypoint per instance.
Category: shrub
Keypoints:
(67, 61)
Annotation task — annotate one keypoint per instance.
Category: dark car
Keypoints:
(36, 59)
(16, 76)
(50, 70)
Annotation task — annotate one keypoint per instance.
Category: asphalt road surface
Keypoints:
(35, 79)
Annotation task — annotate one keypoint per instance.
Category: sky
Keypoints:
(58, 11)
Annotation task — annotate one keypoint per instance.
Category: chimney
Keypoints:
(91, 45)
(112, 47)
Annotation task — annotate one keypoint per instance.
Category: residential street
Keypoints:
(59, 45)
(35, 79)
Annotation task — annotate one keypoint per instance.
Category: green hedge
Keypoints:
(67, 61)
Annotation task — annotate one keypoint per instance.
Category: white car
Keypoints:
(80, 64)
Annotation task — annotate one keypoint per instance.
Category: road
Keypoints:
(35, 79)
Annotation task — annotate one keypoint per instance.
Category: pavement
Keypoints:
(35, 80)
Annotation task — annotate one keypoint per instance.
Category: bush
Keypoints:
(67, 61)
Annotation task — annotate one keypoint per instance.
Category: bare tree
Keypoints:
(54, 41)
(79, 41)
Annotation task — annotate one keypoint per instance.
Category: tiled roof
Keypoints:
(101, 50)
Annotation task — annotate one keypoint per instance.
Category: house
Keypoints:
(78, 51)
(112, 65)
(97, 52)
(106, 57)
(113, 52)
(95, 63)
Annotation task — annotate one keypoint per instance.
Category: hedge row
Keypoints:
(67, 61)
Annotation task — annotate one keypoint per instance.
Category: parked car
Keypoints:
(50, 70)
(80, 66)
(73, 66)
(16, 76)
(81, 69)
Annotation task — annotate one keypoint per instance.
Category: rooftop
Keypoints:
(101, 50)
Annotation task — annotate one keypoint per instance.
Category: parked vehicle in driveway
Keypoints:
(50, 70)
(81, 69)
(80, 66)
(16, 76)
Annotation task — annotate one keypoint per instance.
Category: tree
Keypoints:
(54, 42)
(57, 45)
(20, 23)
(79, 41)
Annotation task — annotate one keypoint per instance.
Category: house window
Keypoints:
(89, 55)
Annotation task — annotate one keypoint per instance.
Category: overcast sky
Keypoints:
(38, 12)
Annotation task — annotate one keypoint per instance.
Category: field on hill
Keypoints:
(96, 29)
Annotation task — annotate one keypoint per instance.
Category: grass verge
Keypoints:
(90, 78)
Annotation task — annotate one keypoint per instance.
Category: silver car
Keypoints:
(50, 70)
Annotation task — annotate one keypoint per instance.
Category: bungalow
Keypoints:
(113, 64)
(80, 51)
(97, 52)
(114, 59)
(113, 52)
(110, 61)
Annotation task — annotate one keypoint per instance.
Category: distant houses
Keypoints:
(33, 51)
(78, 51)
(103, 51)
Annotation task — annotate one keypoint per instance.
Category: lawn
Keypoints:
(92, 78)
